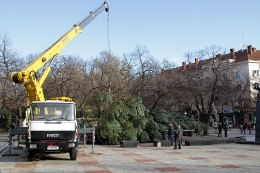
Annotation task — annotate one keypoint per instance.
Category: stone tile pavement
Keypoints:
(226, 158)
(234, 135)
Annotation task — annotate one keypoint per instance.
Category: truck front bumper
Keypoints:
(51, 146)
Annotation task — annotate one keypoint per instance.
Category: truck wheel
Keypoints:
(73, 154)
(30, 155)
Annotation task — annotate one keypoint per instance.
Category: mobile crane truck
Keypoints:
(52, 125)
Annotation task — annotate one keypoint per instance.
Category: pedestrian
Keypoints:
(226, 122)
(241, 128)
(253, 126)
(196, 131)
(249, 127)
(170, 133)
(225, 127)
(178, 137)
(220, 127)
(244, 128)
(12, 126)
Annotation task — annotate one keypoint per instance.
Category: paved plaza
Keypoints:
(221, 158)
(144, 158)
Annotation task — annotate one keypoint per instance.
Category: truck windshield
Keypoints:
(52, 111)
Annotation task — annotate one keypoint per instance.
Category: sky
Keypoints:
(167, 28)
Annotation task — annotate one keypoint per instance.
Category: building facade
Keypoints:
(234, 73)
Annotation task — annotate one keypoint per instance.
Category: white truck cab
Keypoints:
(52, 128)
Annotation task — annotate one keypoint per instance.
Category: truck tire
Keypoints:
(30, 155)
(73, 154)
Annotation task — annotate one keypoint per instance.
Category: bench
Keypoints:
(188, 132)
(162, 143)
(129, 144)
(185, 133)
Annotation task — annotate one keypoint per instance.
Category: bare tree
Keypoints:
(213, 50)
(200, 54)
(12, 96)
(65, 78)
(167, 65)
(146, 67)
(189, 56)
(202, 84)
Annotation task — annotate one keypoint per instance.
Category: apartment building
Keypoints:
(240, 69)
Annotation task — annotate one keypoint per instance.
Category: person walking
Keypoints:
(241, 128)
(244, 128)
(225, 127)
(12, 125)
(220, 127)
(226, 122)
(170, 133)
(249, 127)
(178, 137)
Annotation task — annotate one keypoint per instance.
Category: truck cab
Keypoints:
(52, 128)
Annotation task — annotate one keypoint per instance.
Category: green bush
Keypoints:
(143, 137)
(188, 123)
(158, 123)
(121, 119)
(109, 132)
(152, 129)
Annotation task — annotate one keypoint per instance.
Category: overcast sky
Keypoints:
(167, 28)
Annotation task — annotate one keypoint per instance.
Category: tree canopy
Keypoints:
(132, 97)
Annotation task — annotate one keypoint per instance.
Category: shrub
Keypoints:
(143, 137)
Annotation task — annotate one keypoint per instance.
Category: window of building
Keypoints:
(256, 73)
(238, 75)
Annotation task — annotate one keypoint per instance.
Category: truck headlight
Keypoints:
(71, 144)
(33, 145)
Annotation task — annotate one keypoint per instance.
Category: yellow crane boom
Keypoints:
(26, 76)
